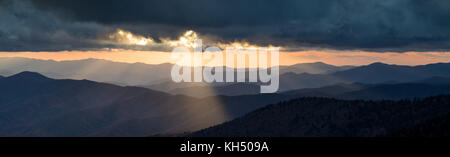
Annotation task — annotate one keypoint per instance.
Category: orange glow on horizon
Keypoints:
(286, 58)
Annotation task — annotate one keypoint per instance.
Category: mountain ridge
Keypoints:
(328, 117)
(64, 107)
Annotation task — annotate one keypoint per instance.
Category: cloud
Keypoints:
(375, 25)
(24, 28)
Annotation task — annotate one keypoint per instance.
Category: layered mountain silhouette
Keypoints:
(34, 105)
(326, 117)
(90, 69)
(155, 77)
(380, 73)
(313, 68)
(377, 73)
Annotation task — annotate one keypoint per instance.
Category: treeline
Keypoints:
(326, 117)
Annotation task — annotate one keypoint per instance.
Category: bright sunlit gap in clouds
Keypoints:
(128, 38)
(187, 39)
(123, 37)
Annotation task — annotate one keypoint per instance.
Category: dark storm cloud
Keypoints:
(376, 25)
(24, 28)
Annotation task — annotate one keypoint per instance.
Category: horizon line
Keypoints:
(113, 61)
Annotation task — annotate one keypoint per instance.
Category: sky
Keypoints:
(340, 32)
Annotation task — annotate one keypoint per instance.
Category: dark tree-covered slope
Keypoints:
(324, 117)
